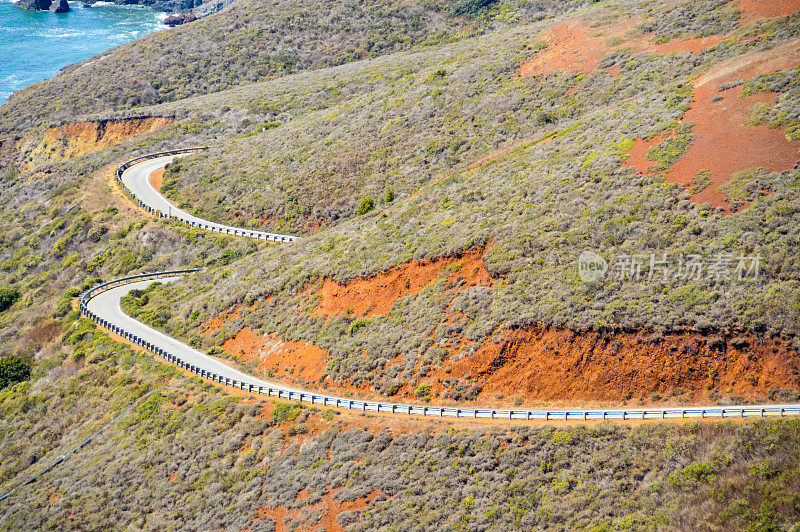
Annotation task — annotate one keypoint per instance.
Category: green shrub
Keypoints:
(358, 324)
(472, 8)
(14, 369)
(669, 151)
(366, 205)
(423, 390)
(700, 182)
(11, 175)
(285, 412)
(8, 296)
(696, 472)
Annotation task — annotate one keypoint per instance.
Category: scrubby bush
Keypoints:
(8, 296)
(14, 369)
(365, 206)
(472, 8)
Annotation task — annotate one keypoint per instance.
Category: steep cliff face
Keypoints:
(78, 138)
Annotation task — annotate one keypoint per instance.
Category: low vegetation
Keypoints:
(534, 166)
(214, 460)
(252, 42)
(384, 148)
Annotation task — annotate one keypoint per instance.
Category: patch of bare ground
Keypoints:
(723, 142)
(64, 142)
(753, 10)
(377, 294)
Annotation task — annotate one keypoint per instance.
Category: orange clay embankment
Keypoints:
(72, 140)
(560, 365)
(535, 365)
(297, 360)
(377, 294)
(723, 142)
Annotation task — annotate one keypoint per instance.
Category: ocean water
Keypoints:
(34, 45)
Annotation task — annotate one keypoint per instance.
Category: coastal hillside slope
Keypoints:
(447, 167)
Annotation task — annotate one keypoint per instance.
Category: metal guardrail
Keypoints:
(91, 292)
(429, 411)
(370, 406)
(209, 226)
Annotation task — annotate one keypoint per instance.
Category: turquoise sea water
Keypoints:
(34, 45)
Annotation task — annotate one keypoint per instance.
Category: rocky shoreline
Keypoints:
(56, 6)
(183, 11)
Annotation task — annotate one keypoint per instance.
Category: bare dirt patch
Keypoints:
(72, 140)
(297, 359)
(572, 47)
(560, 365)
(723, 142)
(577, 47)
(377, 294)
(753, 10)
(157, 179)
(328, 507)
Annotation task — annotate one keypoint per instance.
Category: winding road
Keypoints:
(102, 305)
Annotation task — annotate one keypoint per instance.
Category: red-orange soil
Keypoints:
(570, 47)
(72, 140)
(329, 506)
(219, 320)
(555, 365)
(753, 10)
(723, 142)
(560, 365)
(574, 46)
(298, 359)
(377, 294)
(157, 179)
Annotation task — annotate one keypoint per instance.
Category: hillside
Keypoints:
(254, 41)
(445, 165)
(491, 299)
